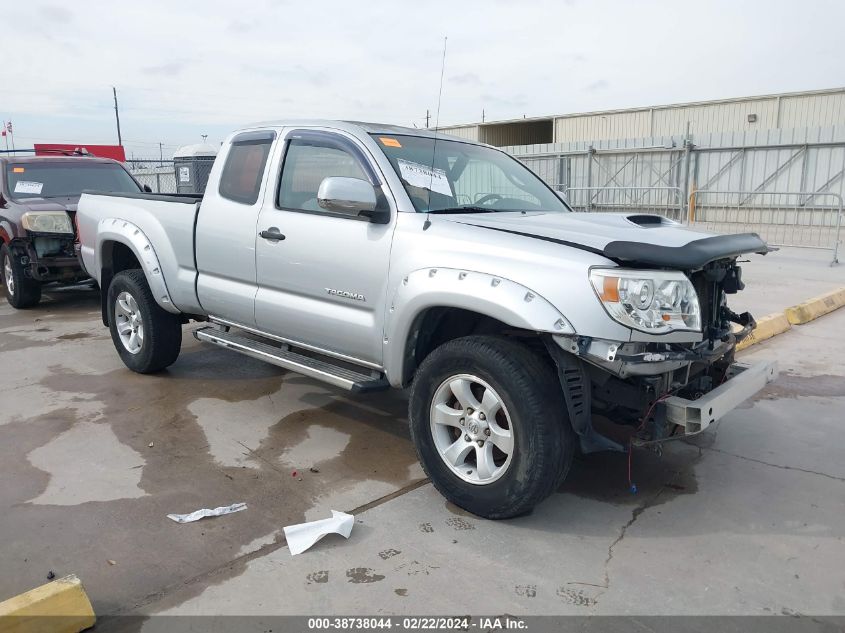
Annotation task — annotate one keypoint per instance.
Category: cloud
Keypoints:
(169, 69)
(239, 26)
(516, 101)
(466, 79)
(184, 68)
(54, 13)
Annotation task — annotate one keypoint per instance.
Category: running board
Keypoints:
(355, 381)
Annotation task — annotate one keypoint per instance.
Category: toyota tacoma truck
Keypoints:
(38, 199)
(371, 256)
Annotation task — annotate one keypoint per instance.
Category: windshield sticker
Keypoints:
(18, 170)
(424, 177)
(389, 142)
(26, 186)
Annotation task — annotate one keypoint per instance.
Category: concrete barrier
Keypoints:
(60, 606)
(816, 307)
(767, 327)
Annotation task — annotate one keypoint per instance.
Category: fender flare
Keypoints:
(492, 295)
(130, 235)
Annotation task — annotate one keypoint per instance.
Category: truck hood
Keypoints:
(50, 204)
(630, 238)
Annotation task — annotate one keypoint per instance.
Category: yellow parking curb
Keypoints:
(767, 327)
(816, 307)
(60, 606)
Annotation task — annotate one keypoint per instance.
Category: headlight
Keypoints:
(651, 301)
(47, 222)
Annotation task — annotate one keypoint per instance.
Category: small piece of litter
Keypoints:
(293, 474)
(150, 444)
(50, 575)
(303, 535)
(205, 512)
(111, 562)
(314, 470)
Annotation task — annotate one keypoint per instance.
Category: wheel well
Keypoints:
(116, 257)
(436, 326)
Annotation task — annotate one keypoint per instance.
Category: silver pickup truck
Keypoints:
(371, 256)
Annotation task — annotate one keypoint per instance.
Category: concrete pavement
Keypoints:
(748, 519)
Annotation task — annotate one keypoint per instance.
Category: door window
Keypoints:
(306, 165)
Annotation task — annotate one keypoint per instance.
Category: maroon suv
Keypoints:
(38, 198)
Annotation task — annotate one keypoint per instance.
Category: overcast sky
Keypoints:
(187, 68)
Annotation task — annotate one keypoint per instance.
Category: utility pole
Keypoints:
(160, 155)
(482, 116)
(117, 116)
(427, 117)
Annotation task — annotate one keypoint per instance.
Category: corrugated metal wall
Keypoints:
(799, 160)
(821, 108)
(810, 110)
(598, 127)
(720, 117)
(468, 132)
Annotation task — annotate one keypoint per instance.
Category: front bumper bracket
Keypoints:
(743, 382)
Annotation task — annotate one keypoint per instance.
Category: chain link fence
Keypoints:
(172, 176)
(158, 175)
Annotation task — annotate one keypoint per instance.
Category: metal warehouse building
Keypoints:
(817, 108)
(773, 164)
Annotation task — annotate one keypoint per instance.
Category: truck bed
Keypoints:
(166, 221)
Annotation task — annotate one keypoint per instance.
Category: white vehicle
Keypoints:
(371, 256)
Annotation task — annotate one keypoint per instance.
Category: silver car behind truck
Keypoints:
(371, 256)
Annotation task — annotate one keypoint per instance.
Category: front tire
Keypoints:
(21, 291)
(489, 425)
(147, 337)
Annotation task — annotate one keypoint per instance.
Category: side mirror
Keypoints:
(148, 189)
(350, 196)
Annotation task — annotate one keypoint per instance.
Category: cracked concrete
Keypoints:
(747, 518)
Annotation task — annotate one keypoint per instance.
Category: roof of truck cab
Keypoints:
(359, 126)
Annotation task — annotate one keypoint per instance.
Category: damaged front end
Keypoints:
(48, 258)
(663, 389)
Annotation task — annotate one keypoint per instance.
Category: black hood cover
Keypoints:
(696, 254)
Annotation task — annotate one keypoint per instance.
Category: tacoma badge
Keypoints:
(346, 294)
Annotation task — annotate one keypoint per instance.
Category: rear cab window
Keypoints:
(243, 171)
(66, 179)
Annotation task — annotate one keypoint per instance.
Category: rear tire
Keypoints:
(478, 391)
(21, 291)
(147, 337)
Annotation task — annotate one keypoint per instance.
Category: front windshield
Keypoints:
(465, 178)
(66, 179)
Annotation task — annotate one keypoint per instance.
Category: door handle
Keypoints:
(272, 234)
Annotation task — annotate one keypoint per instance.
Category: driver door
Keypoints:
(322, 275)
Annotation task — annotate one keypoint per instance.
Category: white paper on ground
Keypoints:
(205, 512)
(303, 535)
(424, 177)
